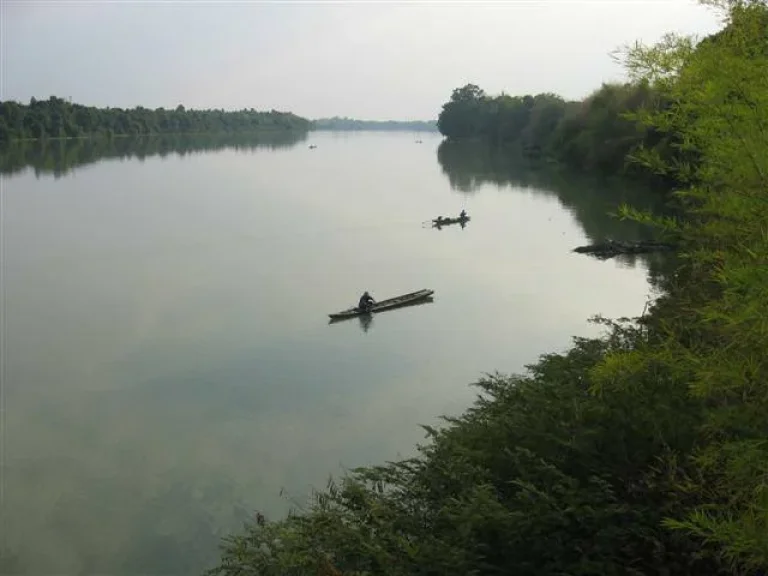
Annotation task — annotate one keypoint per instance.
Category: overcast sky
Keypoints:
(374, 60)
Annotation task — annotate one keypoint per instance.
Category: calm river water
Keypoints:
(168, 364)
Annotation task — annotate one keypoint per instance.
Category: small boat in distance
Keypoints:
(440, 221)
(418, 297)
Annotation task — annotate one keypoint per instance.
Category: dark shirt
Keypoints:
(365, 301)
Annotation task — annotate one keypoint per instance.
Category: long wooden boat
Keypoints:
(417, 297)
(437, 223)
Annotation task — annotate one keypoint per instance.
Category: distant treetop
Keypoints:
(58, 118)
(337, 123)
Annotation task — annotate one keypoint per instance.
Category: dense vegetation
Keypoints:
(337, 123)
(593, 134)
(645, 452)
(59, 157)
(596, 134)
(57, 118)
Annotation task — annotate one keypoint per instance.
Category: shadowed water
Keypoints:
(169, 364)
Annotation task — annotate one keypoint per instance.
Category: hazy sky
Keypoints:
(376, 60)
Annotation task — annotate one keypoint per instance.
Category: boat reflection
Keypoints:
(366, 321)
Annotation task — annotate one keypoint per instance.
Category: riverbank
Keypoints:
(641, 452)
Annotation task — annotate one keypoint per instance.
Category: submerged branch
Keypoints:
(611, 248)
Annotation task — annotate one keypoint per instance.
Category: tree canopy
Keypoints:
(58, 118)
(593, 134)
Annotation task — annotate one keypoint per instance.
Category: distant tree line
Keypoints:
(337, 123)
(58, 118)
(593, 134)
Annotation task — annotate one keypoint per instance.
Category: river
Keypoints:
(168, 363)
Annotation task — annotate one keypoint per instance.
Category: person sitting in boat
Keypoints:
(463, 214)
(366, 302)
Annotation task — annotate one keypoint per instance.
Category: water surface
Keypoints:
(169, 364)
